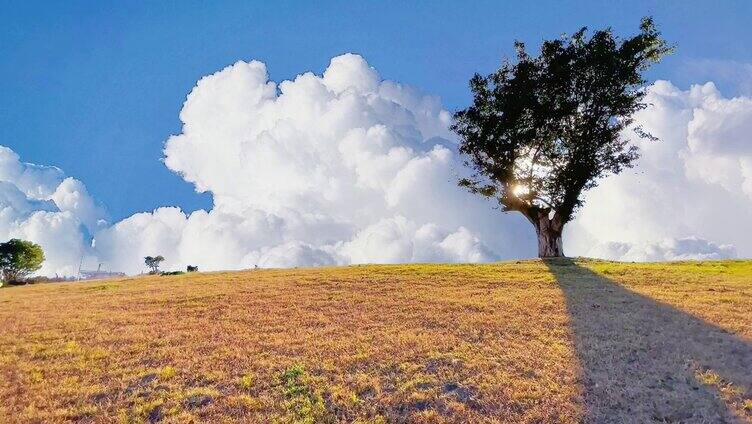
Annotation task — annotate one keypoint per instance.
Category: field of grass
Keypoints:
(531, 341)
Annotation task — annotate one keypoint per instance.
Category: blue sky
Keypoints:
(96, 89)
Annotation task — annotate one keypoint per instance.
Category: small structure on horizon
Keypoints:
(99, 274)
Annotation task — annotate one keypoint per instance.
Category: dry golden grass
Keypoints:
(559, 341)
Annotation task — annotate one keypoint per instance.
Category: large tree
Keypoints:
(19, 258)
(543, 129)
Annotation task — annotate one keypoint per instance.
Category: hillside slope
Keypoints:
(530, 341)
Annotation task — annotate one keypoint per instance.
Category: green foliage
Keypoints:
(544, 129)
(153, 263)
(303, 404)
(19, 258)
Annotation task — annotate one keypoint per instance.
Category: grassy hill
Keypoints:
(531, 341)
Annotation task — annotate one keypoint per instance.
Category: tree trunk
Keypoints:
(549, 236)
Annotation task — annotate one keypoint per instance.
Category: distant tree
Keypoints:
(19, 258)
(544, 129)
(192, 268)
(153, 263)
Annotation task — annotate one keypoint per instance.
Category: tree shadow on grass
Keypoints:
(645, 361)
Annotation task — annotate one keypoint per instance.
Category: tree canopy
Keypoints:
(19, 258)
(543, 129)
(153, 262)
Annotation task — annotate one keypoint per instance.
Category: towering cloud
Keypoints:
(689, 196)
(345, 167)
(331, 169)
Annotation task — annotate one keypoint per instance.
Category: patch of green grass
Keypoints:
(303, 404)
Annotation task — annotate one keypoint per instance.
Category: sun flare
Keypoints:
(520, 190)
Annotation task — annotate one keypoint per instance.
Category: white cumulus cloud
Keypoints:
(39, 203)
(337, 168)
(689, 196)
